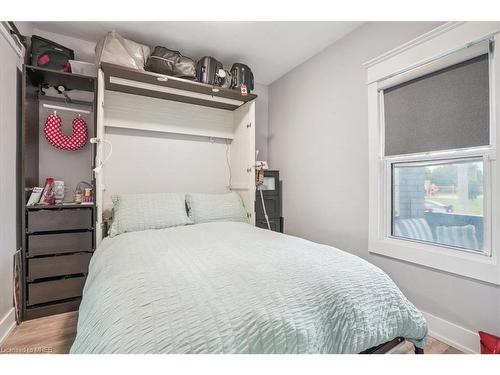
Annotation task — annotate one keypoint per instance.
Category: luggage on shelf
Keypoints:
(115, 49)
(207, 70)
(242, 74)
(172, 63)
(48, 54)
(185, 68)
(162, 60)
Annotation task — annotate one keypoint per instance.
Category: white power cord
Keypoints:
(110, 152)
(264, 207)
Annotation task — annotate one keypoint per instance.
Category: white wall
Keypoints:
(168, 162)
(8, 115)
(262, 120)
(318, 139)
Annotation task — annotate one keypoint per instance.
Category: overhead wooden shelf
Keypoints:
(51, 77)
(132, 81)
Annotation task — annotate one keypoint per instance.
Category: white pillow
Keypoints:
(205, 208)
(135, 212)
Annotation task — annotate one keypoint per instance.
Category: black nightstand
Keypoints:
(272, 193)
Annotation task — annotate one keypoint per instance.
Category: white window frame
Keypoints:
(399, 65)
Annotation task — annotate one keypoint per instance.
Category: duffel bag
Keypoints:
(185, 68)
(163, 61)
(171, 63)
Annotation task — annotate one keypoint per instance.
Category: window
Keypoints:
(434, 164)
(440, 202)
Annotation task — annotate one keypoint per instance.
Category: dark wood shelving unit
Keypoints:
(58, 241)
(73, 81)
(136, 82)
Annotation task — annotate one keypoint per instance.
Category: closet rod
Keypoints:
(50, 106)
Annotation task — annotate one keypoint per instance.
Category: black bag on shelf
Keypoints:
(50, 55)
(171, 63)
(185, 68)
(207, 69)
(242, 74)
(162, 61)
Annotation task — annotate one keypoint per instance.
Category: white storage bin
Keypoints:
(83, 68)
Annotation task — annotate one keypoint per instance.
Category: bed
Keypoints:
(229, 287)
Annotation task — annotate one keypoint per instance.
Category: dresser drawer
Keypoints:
(54, 290)
(273, 207)
(59, 243)
(275, 224)
(62, 219)
(58, 265)
(52, 309)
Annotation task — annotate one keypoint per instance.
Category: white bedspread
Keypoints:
(233, 288)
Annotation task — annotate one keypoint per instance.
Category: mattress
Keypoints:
(228, 287)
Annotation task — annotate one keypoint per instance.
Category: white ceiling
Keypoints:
(271, 49)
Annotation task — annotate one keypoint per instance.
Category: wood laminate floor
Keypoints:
(55, 334)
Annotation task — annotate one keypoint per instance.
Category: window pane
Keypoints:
(439, 202)
(444, 110)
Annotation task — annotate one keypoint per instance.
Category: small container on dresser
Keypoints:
(272, 194)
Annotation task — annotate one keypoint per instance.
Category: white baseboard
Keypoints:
(7, 324)
(459, 337)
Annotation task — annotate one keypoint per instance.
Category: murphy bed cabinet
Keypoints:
(58, 240)
(145, 101)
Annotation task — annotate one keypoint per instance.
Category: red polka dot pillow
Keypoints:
(54, 135)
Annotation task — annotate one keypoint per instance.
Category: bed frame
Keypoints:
(388, 346)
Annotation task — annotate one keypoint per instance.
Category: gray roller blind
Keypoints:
(444, 110)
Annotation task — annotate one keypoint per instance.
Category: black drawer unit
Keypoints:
(59, 241)
(272, 194)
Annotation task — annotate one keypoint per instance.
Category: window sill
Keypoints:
(475, 266)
